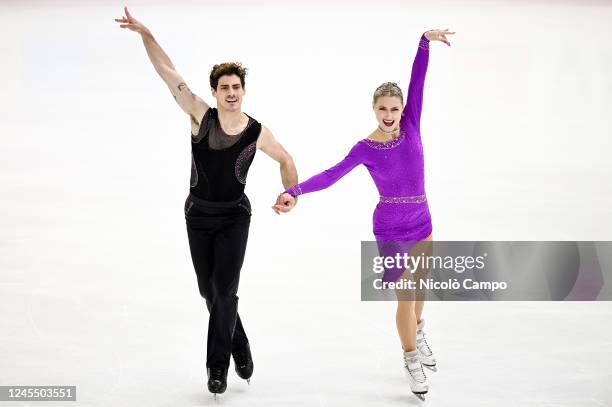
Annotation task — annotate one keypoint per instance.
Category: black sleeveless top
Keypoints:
(220, 162)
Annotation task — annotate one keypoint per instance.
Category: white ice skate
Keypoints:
(427, 358)
(415, 373)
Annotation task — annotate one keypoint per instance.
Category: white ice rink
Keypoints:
(97, 288)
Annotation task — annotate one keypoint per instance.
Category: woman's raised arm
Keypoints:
(414, 101)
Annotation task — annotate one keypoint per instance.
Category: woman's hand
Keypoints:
(284, 203)
(131, 23)
(438, 35)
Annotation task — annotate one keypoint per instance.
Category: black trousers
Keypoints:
(218, 233)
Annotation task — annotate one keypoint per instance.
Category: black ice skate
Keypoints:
(217, 380)
(243, 362)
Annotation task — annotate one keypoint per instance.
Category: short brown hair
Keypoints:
(227, 68)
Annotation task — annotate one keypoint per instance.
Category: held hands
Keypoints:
(438, 35)
(131, 23)
(284, 203)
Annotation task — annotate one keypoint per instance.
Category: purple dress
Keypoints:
(402, 215)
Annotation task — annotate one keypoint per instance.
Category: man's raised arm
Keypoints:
(191, 104)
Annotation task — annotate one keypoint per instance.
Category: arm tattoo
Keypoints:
(182, 86)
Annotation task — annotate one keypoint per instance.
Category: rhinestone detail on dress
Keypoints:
(403, 199)
(424, 43)
(385, 145)
(295, 190)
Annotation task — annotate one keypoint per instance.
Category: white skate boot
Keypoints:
(425, 353)
(415, 373)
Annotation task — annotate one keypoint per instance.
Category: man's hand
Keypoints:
(438, 35)
(284, 203)
(131, 23)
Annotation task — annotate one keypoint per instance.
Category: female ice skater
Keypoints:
(217, 212)
(393, 155)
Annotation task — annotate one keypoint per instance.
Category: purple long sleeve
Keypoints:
(396, 166)
(328, 177)
(414, 101)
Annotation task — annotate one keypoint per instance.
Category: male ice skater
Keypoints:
(217, 212)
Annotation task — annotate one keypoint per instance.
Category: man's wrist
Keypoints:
(146, 34)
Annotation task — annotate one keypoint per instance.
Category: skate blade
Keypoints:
(420, 396)
(433, 368)
(248, 381)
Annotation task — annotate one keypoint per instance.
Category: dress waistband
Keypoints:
(214, 204)
(403, 199)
